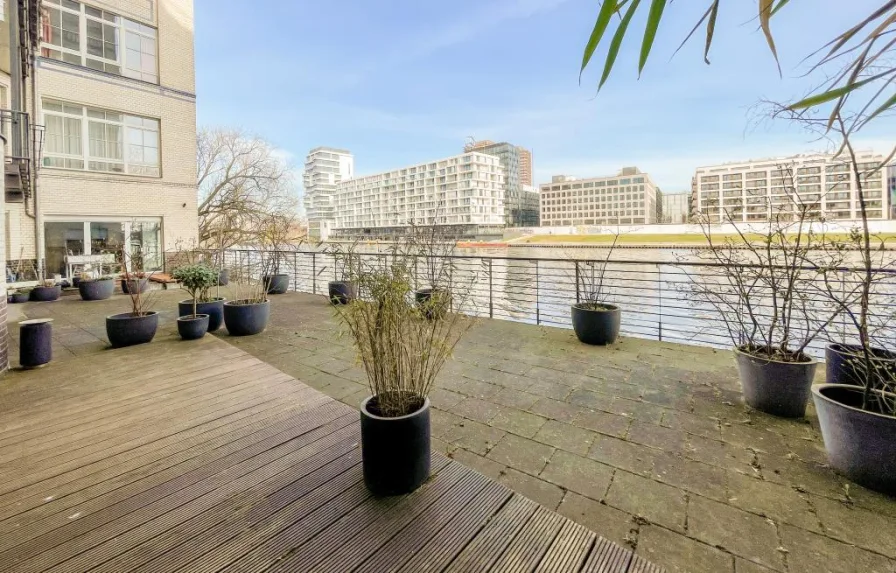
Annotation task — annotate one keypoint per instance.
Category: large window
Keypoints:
(114, 142)
(79, 34)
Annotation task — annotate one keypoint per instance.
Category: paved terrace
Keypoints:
(645, 443)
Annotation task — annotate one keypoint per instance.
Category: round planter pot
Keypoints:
(45, 294)
(860, 444)
(777, 388)
(96, 290)
(127, 330)
(395, 452)
(246, 319)
(76, 281)
(223, 277)
(35, 342)
(844, 363)
(276, 284)
(20, 297)
(192, 328)
(134, 285)
(598, 327)
(433, 307)
(341, 292)
(213, 308)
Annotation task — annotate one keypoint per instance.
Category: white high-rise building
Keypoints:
(750, 191)
(464, 194)
(325, 167)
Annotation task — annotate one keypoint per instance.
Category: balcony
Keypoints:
(23, 142)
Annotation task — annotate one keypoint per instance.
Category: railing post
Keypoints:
(577, 283)
(659, 292)
(295, 271)
(491, 303)
(537, 306)
(313, 273)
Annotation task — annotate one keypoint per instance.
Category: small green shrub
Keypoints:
(196, 280)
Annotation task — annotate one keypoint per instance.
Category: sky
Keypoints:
(400, 82)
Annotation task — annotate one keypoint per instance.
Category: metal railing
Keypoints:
(656, 297)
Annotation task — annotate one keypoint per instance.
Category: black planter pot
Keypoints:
(214, 309)
(35, 342)
(841, 363)
(127, 330)
(341, 292)
(395, 452)
(223, 277)
(192, 328)
(134, 285)
(777, 388)
(246, 319)
(276, 284)
(19, 297)
(433, 307)
(45, 294)
(860, 444)
(598, 327)
(96, 290)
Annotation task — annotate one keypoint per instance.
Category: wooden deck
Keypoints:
(198, 457)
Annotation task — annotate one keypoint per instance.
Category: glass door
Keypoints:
(60, 240)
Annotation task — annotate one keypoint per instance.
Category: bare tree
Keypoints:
(242, 183)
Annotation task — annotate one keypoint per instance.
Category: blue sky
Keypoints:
(400, 82)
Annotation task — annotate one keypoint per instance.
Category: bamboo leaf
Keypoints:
(617, 41)
(829, 95)
(781, 4)
(600, 26)
(710, 29)
(765, 14)
(694, 29)
(653, 23)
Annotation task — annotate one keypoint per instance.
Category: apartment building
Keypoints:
(463, 194)
(520, 200)
(630, 197)
(752, 191)
(325, 168)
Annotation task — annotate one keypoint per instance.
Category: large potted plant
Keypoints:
(250, 309)
(278, 237)
(139, 325)
(96, 288)
(345, 260)
(434, 253)
(197, 280)
(595, 320)
(19, 295)
(46, 291)
(402, 352)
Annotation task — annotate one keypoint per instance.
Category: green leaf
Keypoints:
(617, 41)
(780, 5)
(600, 26)
(710, 29)
(829, 95)
(765, 14)
(653, 22)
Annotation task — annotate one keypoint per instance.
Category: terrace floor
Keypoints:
(646, 443)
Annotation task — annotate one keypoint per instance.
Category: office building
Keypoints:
(891, 184)
(325, 168)
(520, 200)
(674, 207)
(628, 198)
(463, 194)
(755, 190)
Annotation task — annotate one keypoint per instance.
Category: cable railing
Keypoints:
(656, 297)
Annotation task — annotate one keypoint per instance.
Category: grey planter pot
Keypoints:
(341, 292)
(96, 290)
(860, 444)
(46, 294)
(134, 285)
(596, 327)
(840, 362)
(192, 328)
(777, 388)
(395, 452)
(127, 330)
(20, 297)
(277, 283)
(214, 309)
(246, 319)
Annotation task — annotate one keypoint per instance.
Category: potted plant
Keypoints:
(19, 295)
(402, 352)
(197, 280)
(249, 311)
(46, 291)
(139, 325)
(435, 252)
(132, 282)
(594, 320)
(96, 288)
(342, 290)
(277, 238)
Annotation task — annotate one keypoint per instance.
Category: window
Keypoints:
(98, 39)
(114, 142)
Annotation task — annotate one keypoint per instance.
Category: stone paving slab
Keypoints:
(647, 443)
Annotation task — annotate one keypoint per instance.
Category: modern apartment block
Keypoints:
(630, 197)
(891, 184)
(463, 194)
(674, 208)
(520, 201)
(753, 190)
(325, 168)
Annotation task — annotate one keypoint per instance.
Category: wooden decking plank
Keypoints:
(213, 433)
(386, 546)
(170, 495)
(436, 553)
(379, 518)
(292, 468)
(495, 537)
(186, 472)
(568, 552)
(201, 534)
(607, 557)
(641, 565)
(38, 500)
(526, 551)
